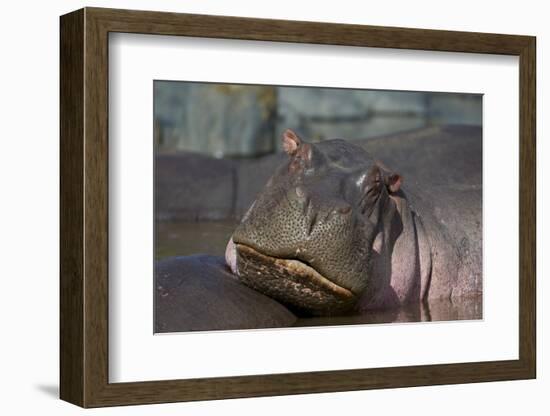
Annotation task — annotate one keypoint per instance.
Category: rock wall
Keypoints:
(223, 120)
(214, 119)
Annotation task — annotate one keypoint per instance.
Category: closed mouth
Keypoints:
(292, 281)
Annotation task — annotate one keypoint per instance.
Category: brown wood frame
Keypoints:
(84, 209)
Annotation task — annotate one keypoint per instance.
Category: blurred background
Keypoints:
(228, 120)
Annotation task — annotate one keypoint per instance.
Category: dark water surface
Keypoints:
(194, 237)
(187, 238)
(435, 310)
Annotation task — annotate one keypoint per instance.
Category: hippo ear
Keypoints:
(291, 142)
(393, 182)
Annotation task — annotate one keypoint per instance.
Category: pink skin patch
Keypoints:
(231, 256)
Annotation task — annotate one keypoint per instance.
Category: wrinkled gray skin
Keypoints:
(334, 214)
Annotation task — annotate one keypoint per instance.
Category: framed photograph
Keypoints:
(255, 207)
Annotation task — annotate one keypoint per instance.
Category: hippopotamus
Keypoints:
(336, 230)
(198, 293)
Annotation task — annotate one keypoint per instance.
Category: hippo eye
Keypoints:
(370, 187)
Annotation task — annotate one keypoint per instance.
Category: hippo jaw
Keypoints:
(290, 281)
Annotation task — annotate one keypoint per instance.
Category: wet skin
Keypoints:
(334, 230)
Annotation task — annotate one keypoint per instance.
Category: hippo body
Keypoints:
(199, 293)
(336, 230)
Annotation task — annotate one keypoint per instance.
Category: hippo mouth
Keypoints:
(292, 282)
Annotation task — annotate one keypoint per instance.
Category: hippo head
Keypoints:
(307, 240)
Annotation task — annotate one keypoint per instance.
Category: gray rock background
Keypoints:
(215, 119)
(228, 120)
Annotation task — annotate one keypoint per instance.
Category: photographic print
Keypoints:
(291, 206)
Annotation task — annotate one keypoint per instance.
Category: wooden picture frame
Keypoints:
(84, 207)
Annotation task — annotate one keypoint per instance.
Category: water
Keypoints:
(435, 310)
(186, 238)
